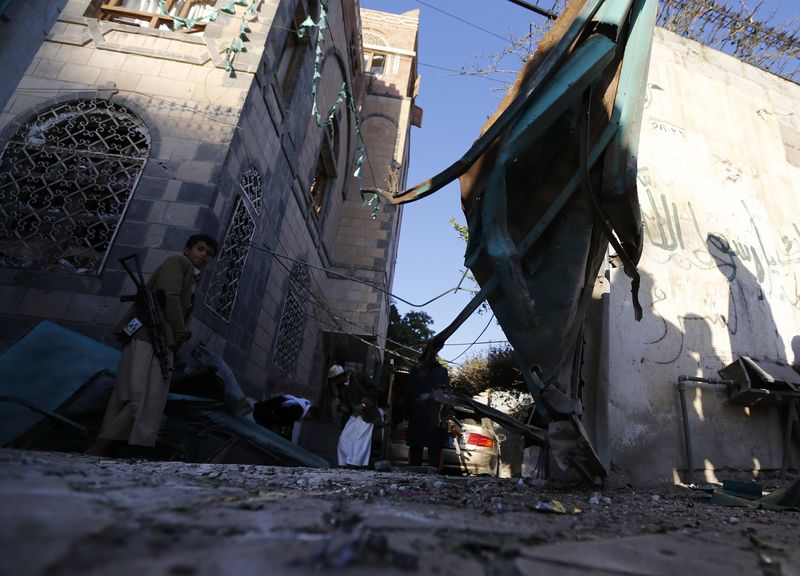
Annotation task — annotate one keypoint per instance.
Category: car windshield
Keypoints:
(468, 417)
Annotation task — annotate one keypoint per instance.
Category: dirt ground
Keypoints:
(66, 514)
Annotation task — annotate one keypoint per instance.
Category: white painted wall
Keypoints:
(717, 156)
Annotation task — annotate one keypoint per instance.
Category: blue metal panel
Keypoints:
(46, 367)
(633, 87)
(551, 62)
(611, 17)
(264, 438)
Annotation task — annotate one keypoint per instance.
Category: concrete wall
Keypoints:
(719, 183)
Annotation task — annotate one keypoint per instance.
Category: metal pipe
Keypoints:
(787, 437)
(726, 383)
(687, 439)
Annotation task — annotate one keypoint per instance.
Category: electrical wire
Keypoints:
(474, 342)
(337, 322)
(462, 73)
(365, 282)
(467, 22)
(333, 317)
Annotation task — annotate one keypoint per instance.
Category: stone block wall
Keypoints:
(366, 241)
(206, 127)
(190, 106)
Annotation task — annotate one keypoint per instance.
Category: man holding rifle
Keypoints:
(154, 328)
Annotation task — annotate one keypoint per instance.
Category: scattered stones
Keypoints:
(333, 519)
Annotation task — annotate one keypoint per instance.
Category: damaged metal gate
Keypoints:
(547, 187)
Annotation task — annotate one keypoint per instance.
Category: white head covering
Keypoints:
(335, 371)
(304, 403)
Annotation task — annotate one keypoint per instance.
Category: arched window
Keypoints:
(376, 61)
(291, 56)
(66, 177)
(293, 320)
(224, 285)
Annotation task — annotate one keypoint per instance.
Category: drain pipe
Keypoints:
(687, 440)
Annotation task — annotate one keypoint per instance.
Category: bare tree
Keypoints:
(729, 26)
(738, 31)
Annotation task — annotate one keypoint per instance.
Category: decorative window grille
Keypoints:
(66, 177)
(224, 284)
(370, 37)
(300, 279)
(250, 184)
(293, 318)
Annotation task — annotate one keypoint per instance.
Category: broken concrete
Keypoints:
(66, 514)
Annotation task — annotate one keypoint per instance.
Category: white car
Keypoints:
(474, 450)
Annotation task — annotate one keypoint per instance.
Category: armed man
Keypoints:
(153, 329)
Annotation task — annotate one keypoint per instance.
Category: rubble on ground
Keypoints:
(72, 514)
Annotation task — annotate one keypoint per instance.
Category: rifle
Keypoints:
(145, 306)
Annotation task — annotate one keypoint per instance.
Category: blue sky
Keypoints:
(430, 258)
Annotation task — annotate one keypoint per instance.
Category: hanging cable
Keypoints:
(365, 282)
(337, 323)
(336, 319)
(467, 22)
(462, 73)
(474, 342)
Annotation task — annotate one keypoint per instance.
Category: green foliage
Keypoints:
(496, 369)
(412, 330)
(461, 230)
(745, 32)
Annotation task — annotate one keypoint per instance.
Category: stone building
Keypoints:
(129, 124)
